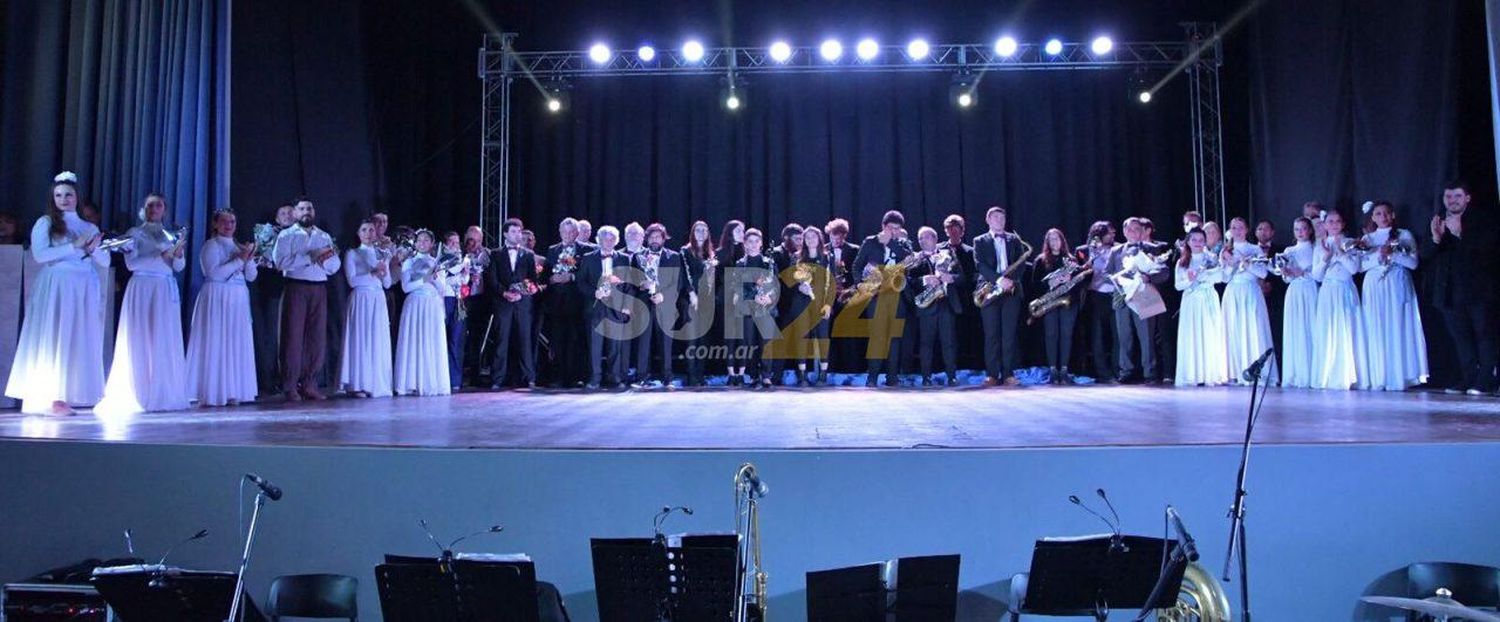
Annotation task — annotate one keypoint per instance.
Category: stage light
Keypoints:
(1054, 47)
(918, 49)
(831, 50)
(964, 90)
(867, 49)
(1145, 97)
(1006, 46)
(1102, 45)
(646, 53)
(554, 104)
(692, 51)
(599, 53)
(732, 94)
(733, 101)
(781, 51)
(965, 100)
(556, 97)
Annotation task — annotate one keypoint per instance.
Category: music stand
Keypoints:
(852, 594)
(152, 593)
(702, 567)
(424, 588)
(690, 577)
(1083, 576)
(926, 588)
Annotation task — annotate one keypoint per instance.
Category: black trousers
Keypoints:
(887, 331)
(1473, 330)
(606, 347)
(657, 335)
(1001, 348)
(513, 319)
(1057, 331)
(749, 349)
(481, 317)
(1132, 332)
(938, 329)
(568, 336)
(1101, 323)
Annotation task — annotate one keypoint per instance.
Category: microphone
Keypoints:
(159, 579)
(666, 511)
(446, 552)
(1252, 373)
(752, 481)
(1188, 546)
(271, 490)
(1116, 543)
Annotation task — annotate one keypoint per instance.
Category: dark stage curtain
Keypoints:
(1057, 149)
(130, 95)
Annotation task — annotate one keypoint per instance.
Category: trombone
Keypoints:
(750, 592)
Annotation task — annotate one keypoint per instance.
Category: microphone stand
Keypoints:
(1237, 509)
(239, 583)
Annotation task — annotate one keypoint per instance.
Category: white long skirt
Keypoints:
(1299, 317)
(1395, 348)
(1338, 333)
(366, 365)
(150, 364)
(422, 348)
(1247, 329)
(60, 355)
(1200, 339)
(221, 350)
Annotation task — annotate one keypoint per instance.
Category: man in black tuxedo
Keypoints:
(844, 351)
(885, 250)
(996, 252)
(967, 320)
(607, 310)
(1132, 330)
(1164, 340)
(563, 306)
(665, 284)
(944, 268)
(511, 281)
(1459, 256)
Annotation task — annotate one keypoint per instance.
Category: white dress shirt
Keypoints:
(295, 248)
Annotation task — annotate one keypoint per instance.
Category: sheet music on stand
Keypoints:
(1074, 574)
(681, 577)
(153, 592)
(473, 587)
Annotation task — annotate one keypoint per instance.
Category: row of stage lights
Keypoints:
(963, 92)
(832, 50)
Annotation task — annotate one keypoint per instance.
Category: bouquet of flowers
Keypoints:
(567, 261)
(265, 238)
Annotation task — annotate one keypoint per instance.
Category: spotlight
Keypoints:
(556, 97)
(1145, 97)
(646, 53)
(554, 104)
(1054, 47)
(867, 49)
(692, 51)
(831, 50)
(732, 102)
(599, 53)
(733, 94)
(965, 99)
(781, 51)
(1102, 45)
(918, 49)
(1006, 46)
(964, 91)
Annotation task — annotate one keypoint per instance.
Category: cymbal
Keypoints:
(1436, 609)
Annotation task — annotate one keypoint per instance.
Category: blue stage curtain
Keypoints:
(129, 94)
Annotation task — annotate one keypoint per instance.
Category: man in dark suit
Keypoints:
(967, 320)
(511, 281)
(944, 269)
(885, 250)
(1459, 257)
(785, 256)
(563, 305)
(1131, 329)
(1100, 299)
(844, 351)
(665, 284)
(996, 253)
(601, 280)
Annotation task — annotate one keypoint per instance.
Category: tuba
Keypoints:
(1201, 599)
(750, 591)
(989, 291)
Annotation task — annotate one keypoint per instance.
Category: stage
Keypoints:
(824, 419)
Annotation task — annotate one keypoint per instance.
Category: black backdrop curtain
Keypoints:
(1057, 149)
(128, 94)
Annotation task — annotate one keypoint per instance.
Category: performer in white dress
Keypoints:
(1338, 329)
(60, 356)
(1247, 324)
(422, 344)
(1299, 310)
(221, 350)
(1395, 348)
(1200, 324)
(365, 370)
(150, 365)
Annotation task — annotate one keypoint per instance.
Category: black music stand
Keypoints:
(926, 588)
(639, 579)
(923, 589)
(424, 588)
(1085, 577)
(154, 594)
(853, 594)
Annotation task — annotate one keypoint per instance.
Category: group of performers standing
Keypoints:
(603, 314)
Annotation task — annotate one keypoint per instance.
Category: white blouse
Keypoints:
(415, 273)
(1300, 254)
(143, 254)
(1244, 271)
(1341, 267)
(359, 268)
(60, 252)
(221, 263)
(1378, 238)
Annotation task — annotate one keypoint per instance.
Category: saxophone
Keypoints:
(750, 594)
(942, 262)
(879, 278)
(1058, 296)
(988, 291)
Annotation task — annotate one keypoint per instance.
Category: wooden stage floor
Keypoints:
(827, 418)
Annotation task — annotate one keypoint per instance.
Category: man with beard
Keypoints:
(1460, 262)
(665, 284)
(306, 257)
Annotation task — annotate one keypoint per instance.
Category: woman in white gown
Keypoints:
(422, 344)
(1300, 309)
(1395, 348)
(60, 356)
(1200, 325)
(365, 370)
(221, 349)
(1338, 329)
(150, 364)
(1247, 324)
